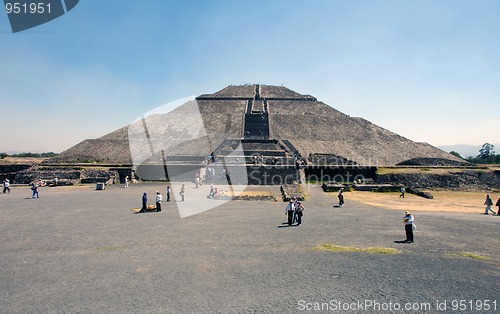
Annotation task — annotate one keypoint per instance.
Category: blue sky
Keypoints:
(428, 70)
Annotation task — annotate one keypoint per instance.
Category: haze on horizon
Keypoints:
(427, 70)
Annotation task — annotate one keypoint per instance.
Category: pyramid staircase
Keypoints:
(256, 122)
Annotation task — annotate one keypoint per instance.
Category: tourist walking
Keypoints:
(403, 190)
(159, 198)
(6, 185)
(34, 188)
(299, 210)
(182, 192)
(498, 204)
(168, 193)
(211, 193)
(341, 197)
(126, 182)
(197, 180)
(488, 202)
(144, 203)
(290, 210)
(408, 222)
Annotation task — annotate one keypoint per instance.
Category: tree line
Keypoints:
(486, 155)
(33, 155)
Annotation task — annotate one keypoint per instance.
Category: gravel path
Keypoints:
(77, 250)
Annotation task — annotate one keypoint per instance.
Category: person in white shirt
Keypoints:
(158, 201)
(6, 185)
(408, 221)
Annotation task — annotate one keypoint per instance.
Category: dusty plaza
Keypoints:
(79, 250)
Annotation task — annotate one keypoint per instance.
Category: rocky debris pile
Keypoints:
(377, 187)
(436, 162)
(463, 181)
(101, 150)
(56, 176)
(332, 186)
(290, 191)
(423, 194)
(52, 176)
(95, 176)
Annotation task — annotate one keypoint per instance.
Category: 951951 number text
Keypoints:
(25, 8)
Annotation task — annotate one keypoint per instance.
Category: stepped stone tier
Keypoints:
(251, 126)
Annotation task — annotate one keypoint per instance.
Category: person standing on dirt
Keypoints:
(197, 180)
(299, 210)
(295, 204)
(34, 188)
(168, 193)
(144, 203)
(290, 210)
(488, 202)
(341, 197)
(403, 190)
(6, 185)
(408, 222)
(158, 201)
(182, 191)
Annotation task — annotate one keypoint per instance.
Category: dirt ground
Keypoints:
(21, 160)
(81, 250)
(443, 201)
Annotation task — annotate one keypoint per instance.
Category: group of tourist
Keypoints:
(158, 199)
(34, 187)
(214, 193)
(210, 174)
(295, 211)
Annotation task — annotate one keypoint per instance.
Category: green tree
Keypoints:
(454, 153)
(486, 151)
(3, 155)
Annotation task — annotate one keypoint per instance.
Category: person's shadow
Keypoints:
(285, 225)
(404, 241)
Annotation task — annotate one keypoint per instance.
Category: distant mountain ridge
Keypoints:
(467, 150)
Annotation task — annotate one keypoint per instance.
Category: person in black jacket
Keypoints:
(144, 203)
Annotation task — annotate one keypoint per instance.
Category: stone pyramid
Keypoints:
(261, 116)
